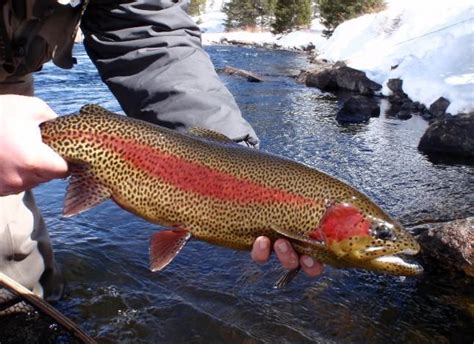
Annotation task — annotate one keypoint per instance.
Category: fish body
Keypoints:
(203, 185)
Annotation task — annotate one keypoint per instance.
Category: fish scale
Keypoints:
(203, 185)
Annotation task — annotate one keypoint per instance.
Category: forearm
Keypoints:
(152, 60)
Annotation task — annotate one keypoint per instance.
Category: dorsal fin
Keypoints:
(210, 135)
(93, 109)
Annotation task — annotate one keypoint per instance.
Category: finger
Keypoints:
(311, 267)
(286, 254)
(261, 249)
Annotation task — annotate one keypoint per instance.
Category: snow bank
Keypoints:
(213, 28)
(427, 44)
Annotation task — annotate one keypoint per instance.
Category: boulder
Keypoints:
(342, 77)
(396, 86)
(438, 108)
(323, 79)
(449, 246)
(358, 109)
(451, 135)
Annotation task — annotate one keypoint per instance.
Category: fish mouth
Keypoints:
(400, 263)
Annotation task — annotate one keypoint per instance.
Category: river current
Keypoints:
(211, 294)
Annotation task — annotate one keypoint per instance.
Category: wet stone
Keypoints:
(450, 135)
(449, 246)
(358, 109)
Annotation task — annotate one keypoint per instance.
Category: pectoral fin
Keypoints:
(301, 237)
(165, 245)
(84, 191)
(286, 278)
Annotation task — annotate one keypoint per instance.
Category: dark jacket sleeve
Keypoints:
(149, 54)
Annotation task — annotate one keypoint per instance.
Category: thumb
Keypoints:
(43, 112)
(50, 164)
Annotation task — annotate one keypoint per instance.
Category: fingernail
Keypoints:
(308, 261)
(282, 247)
(262, 243)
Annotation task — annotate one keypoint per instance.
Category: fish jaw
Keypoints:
(394, 265)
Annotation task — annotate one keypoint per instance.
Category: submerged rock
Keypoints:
(453, 135)
(252, 77)
(358, 109)
(450, 245)
(342, 77)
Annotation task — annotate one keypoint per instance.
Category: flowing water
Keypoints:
(215, 295)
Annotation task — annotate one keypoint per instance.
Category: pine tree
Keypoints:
(292, 14)
(196, 7)
(248, 14)
(334, 12)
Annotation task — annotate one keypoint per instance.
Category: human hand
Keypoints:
(25, 161)
(289, 259)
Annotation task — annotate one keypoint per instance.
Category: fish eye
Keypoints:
(383, 232)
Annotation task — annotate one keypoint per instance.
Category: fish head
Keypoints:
(367, 237)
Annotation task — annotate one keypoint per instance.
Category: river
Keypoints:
(214, 295)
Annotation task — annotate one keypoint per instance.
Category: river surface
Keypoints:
(215, 295)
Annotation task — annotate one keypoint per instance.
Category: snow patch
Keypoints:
(427, 44)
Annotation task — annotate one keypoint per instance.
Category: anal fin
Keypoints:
(165, 245)
(84, 191)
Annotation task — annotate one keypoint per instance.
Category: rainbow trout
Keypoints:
(203, 185)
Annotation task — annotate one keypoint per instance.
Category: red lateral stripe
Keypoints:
(191, 176)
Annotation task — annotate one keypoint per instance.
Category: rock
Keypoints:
(343, 77)
(450, 245)
(420, 107)
(427, 116)
(438, 108)
(324, 80)
(301, 78)
(355, 80)
(404, 115)
(450, 135)
(358, 109)
(309, 47)
(408, 105)
(395, 85)
(240, 72)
